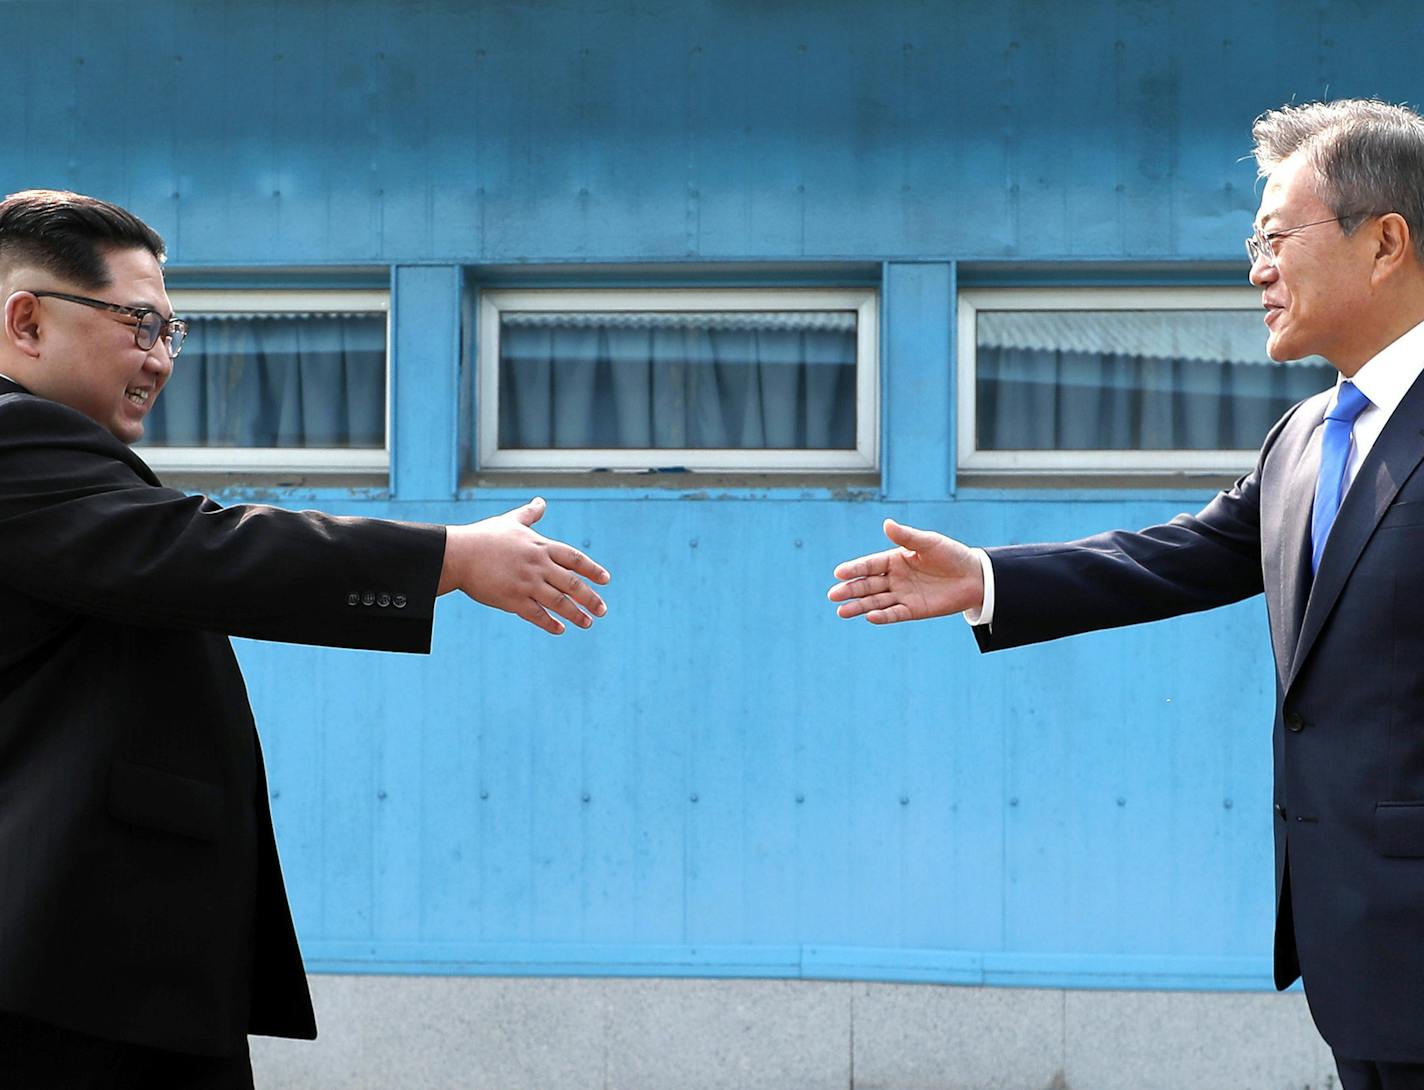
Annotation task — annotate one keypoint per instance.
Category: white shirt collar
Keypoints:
(1387, 376)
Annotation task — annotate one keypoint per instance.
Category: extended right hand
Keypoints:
(503, 562)
(928, 575)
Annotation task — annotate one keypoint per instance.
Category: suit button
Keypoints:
(353, 599)
(1294, 722)
(398, 601)
(1280, 811)
(383, 601)
(369, 598)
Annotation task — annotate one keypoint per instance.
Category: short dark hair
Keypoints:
(68, 234)
(1368, 156)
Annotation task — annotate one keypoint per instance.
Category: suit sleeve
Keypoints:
(1194, 562)
(82, 530)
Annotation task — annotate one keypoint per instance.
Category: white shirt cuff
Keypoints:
(985, 613)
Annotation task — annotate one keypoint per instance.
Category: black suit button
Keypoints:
(383, 601)
(369, 598)
(398, 601)
(353, 599)
(1294, 722)
(1280, 811)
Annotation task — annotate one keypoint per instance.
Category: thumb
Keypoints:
(532, 511)
(907, 537)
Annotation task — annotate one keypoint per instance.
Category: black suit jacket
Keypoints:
(140, 893)
(1349, 725)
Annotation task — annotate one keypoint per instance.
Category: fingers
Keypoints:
(893, 615)
(567, 604)
(572, 587)
(871, 604)
(534, 613)
(861, 566)
(858, 588)
(566, 556)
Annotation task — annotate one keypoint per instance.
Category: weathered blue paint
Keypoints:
(723, 779)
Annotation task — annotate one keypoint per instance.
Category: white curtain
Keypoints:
(768, 380)
(276, 380)
(1131, 380)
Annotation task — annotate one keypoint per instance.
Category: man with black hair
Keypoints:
(144, 928)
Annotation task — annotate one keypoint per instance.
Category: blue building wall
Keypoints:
(722, 778)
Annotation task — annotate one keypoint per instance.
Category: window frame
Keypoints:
(1118, 463)
(267, 460)
(864, 457)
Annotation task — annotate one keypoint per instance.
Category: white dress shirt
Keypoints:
(1385, 378)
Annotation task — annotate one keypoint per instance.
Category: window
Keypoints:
(1120, 380)
(717, 379)
(275, 381)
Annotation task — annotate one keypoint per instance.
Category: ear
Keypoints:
(1394, 246)
(22, 323)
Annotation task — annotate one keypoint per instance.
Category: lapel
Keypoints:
(1395, 455)
(1293, 518)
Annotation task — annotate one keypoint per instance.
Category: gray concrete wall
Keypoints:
(482, 1033)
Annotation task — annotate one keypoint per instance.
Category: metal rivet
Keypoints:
(904, 800)
(380, 794)
(1121, 801)
(1226, 804)
(693, 796)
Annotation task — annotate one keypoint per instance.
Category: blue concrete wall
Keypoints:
(722, 778)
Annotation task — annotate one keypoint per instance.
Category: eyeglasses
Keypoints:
(151, 326)
(1259, 246)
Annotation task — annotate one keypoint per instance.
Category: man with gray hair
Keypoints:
(1329, 525)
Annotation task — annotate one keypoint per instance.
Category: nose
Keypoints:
(159, 359)
(1262, 271)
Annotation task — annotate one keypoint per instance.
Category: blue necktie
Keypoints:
(1334, 452)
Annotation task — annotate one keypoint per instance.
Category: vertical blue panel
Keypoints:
(425, 370)
(917, 378)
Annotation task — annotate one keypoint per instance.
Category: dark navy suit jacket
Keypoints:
(1349, 725)
(140, 893)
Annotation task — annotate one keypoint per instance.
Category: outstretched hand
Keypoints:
(928, 575)
(504, 563)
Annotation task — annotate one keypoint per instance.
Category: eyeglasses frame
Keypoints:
(170, 331)
(1258, 243)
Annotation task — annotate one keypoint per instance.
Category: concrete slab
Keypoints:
(925, 1037)
(728, 1035)
(1186, 1040)
(442, 1033)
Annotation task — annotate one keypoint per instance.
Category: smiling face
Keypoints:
(88, 359)
(1317, 294)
